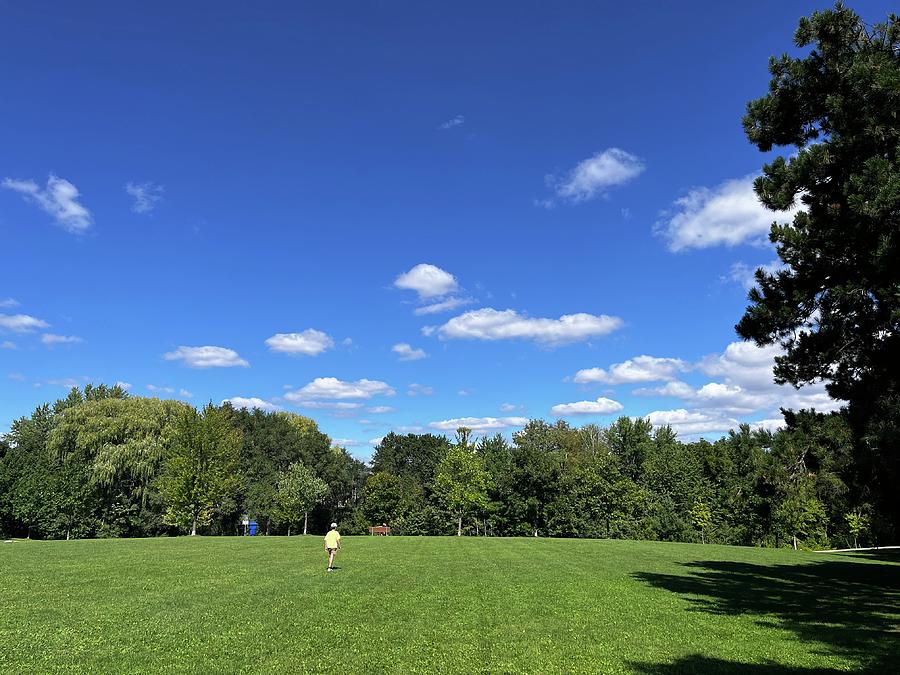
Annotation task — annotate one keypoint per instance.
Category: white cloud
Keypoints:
(772, 425)
(145, 195)
(407, 353)
(8, 344)
(340, 406)
(375, 441)
(65, 382)
(692, 423)
(324, 388)
(124, 385)
(492, 324)
(443, 306)
(345, 443)
(602, 406)
(639, 369)
(728, 214)
(510, 407)
(427, 280)
(19, 377)
(480, 423)
(59, 199)
(595, 175)
(416, 389)
(459, 120)
(51, 339)
(8, 303)
(380, 409)
(744, 274)
(206, 357)
(465, 392)
(250, 403)
(676, 388)
(184, 393)
(310, 342)
(160, 390)
(21, 323)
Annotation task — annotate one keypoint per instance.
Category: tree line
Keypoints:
(101, 463)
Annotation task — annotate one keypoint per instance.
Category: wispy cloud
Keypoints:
(459, 120)
(51, 339)
(206, 357)
(594, 176)
(8, 344)
(638, 369)
(8, 303)
(407, 353)
(21, 323)
(59, 199)
(146, 195)
(416, 389)
(443, 306)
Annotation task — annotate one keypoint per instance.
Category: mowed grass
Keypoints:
(399, 604)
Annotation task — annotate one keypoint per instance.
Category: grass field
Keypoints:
(470, 605)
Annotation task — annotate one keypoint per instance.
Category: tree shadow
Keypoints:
(698, 664)
(848, 608)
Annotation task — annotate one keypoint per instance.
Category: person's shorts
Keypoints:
(331, 550)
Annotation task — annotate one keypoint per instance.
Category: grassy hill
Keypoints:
(443, 605)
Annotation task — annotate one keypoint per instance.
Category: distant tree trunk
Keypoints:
(289, 530)
(795, 542)
(194, 528)
(305, 520)
(459, 527)
(67, 535)
(476, 527)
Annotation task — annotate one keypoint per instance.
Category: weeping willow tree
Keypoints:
(120, 444)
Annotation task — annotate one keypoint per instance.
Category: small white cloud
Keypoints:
(602, 406)
(310, 342)
(639, 369)
(510, 407)
(676, 388)
(124, 385)
(324, 388)
(416, 389)
(380, 409)
(375, 441)
(8, 344)
(206, 357)
(465, 392)
(595, 175)
(745, 275)
(19, 377)
(160, 390)
(345, 443)
(51, 339)
(251, 402)
(21, 323)
(146, 195)
(339, 406)
(427, 280)
(692, 423)
(457, 121)
(726, 215)
(184, 393)
(407, 353)
(443, 306)
(480, 424)
(59, 199)
(492, 324)
(8, 303)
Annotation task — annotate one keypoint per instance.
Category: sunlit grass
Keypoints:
(438, 604)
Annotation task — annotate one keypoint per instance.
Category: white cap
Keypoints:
(333, 525)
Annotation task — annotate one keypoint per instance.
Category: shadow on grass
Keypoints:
(844, 607)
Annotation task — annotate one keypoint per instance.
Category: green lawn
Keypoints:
(400, 604)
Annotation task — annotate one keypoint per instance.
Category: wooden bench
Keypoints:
(382, 530)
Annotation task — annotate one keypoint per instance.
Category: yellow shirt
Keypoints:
(332, 539)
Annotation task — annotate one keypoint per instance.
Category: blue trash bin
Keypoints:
(253, 527)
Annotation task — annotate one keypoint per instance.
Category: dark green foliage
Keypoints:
(836, 306)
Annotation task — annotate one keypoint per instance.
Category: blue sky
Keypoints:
(390, 215)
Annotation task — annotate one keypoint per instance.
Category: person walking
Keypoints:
(332, 544)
